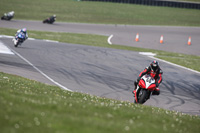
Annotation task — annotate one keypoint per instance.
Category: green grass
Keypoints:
(30, 106)
(190, 61)
(101, 12)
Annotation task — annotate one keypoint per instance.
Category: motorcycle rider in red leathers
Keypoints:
(155, 71)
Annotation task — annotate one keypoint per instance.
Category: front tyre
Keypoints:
(45, 21)
(143, 96)
(17, 43)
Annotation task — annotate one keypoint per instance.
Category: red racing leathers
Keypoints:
(157, 75)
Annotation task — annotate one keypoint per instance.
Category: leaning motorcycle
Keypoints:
(50, 20)
(19, 39)
(144, 88)
(8, 16)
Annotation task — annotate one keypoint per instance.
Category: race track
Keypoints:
(175, 38)
(101, 71)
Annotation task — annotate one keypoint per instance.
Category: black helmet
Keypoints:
(154, 65)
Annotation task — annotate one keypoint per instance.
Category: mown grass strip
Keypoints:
(189, 61)
(30, 106)
(101, 12)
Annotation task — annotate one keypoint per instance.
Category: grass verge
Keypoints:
(30, 106)
(189, 61)
(101, 12)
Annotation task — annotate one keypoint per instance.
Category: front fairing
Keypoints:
(147, 82)
(142, 84)
(21, 36)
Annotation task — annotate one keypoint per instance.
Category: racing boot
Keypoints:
(134, 90)
(156, 92)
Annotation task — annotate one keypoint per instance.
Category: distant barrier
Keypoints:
(167, 3)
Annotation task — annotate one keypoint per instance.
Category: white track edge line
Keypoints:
(50, 41)
(175, 65)
(4, 49)
(109, 38)
(61, 86)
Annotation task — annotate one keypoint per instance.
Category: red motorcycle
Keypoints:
(144, 88)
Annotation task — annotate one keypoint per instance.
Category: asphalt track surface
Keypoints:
(175, 38)
(100, 71)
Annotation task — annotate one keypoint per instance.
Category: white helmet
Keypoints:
(24, 30)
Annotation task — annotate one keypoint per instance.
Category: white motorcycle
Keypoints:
(8, 16)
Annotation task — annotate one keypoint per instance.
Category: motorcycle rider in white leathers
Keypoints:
(9, 14)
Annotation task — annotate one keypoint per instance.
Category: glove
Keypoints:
(138, 79)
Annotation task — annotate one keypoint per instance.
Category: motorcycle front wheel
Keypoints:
(143, 96)
(17, 44)
(45, 21)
